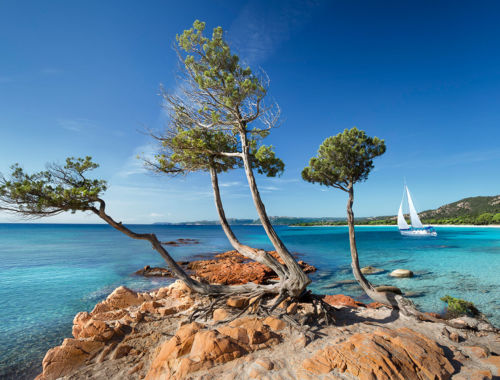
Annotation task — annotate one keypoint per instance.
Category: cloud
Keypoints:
(156, 215)
(134, 164)
(259, 30)
(231, 184)
(76, 125)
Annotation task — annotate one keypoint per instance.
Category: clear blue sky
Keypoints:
(81, 78)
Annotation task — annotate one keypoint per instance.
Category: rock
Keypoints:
(79, 321)
(95, 329)
(220, 315)
(401, 273)
(120, 351)
(384, 355)
(494, 363)
(371, 270)
(375, 305)
(414, 294)
(274, 323)
(121, 297)
(292, 308)
(237, 302)
(232, 268)
(193, 349)
(265, 363)
(147, 271)
(66, 358)
(388, 288)
(478, 352)
(151, 307)
(340, 300)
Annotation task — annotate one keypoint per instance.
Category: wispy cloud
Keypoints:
(135, 164)
(259, 30)
(76, 125)
(231, 184)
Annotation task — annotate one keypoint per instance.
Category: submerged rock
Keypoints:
(388, 288)
(371, 270)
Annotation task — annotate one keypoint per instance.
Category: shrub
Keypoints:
(458, 307)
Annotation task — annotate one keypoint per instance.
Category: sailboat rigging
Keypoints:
(416, 228)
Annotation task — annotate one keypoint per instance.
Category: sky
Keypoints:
(82, 78)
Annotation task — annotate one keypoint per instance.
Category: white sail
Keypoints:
(402, 225)
(415, 220)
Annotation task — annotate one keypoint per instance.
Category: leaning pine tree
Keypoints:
(218, 94)
(342, 161)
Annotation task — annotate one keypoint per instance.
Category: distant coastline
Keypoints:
(394, 225)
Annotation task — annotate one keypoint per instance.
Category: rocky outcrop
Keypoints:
(194, 348)
(97, 335)
(232, 268)
(228, 268)
(384, 355)
(371, 270)
(181, 241)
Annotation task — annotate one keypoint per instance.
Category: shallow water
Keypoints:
(48, 273)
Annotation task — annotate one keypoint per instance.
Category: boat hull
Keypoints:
(426, 231)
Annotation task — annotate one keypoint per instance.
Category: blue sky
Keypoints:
(82, 77)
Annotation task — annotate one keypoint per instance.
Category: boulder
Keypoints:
(237, 302)
(401, 273)
(121, 297)
(340, 300)
(66, 358)
(388, 288)
(193, 348)
(384, 355)
(95, 329)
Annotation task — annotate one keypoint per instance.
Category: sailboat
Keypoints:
(416, 228)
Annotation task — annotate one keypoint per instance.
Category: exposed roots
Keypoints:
(308, 315)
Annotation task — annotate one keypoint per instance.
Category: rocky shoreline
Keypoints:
(149, 336)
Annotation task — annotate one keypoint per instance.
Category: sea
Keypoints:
(50, 272)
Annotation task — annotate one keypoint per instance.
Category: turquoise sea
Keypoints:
(48, 273)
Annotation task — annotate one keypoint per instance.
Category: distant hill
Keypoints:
(473, 210)
(473, 206)
(276, 220)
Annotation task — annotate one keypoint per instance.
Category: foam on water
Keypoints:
(48, 273)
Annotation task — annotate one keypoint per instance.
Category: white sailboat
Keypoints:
(416, 228)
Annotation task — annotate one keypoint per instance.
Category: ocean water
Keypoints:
(48, 273)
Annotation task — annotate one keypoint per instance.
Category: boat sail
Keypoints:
(416, 228)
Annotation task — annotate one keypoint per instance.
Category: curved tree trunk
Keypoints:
(296, 280)
(386, 298)
(197, 286)
(258, 255)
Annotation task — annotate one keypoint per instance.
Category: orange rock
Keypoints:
(121, 297)
(150, 307)
(220, 315)
(66, 358)
(274, 323)
(237, 302)
(476, 351)
(494, 363)
(375, 305)
(79, 321)
(384, 355)
(96, 329)
(339, 300)
(193, 349)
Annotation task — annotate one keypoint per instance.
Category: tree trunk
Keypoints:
(296, 280)
(386, 298)
(258, 255)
